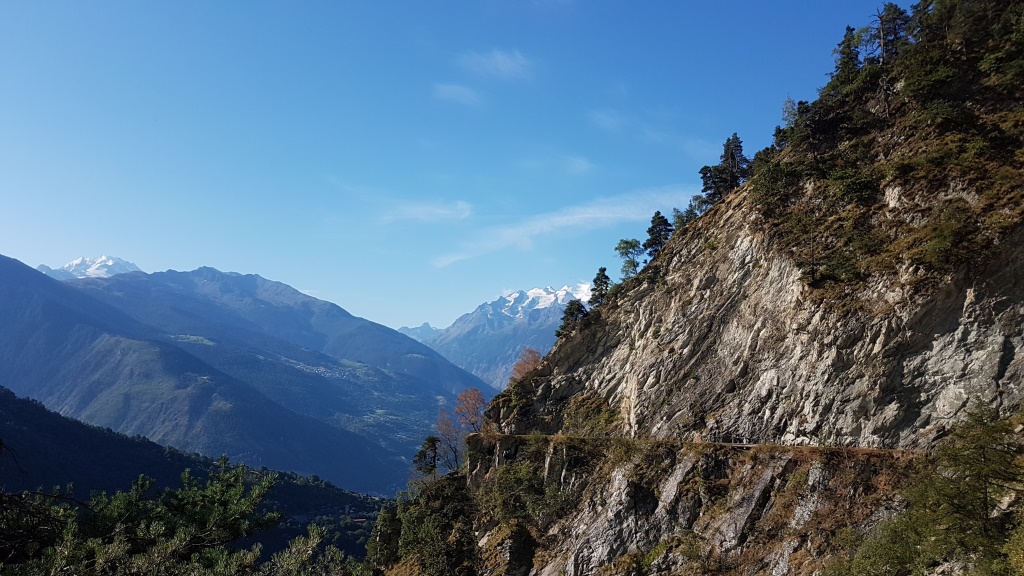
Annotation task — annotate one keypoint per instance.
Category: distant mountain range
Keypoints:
(102, 267)
(422, 333)
(216, 362)
(487, 341)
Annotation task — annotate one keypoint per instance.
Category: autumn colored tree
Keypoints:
(451, 431)
(469, 409)
(452, 441)
(529, 360)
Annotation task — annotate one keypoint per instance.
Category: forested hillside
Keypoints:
(53, 470)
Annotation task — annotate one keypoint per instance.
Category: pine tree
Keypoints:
(657, 235)
(681, 218)
(890, 31)
(574, 313)
(728, 174)
(976, 466)
(599, 287)
(847, 55)
(425, 460)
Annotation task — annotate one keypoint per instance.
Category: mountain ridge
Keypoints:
(488, 340)
(85, 357)
(84, 267)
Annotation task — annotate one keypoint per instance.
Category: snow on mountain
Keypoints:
(487, 341)
(518, 304)
(102, 267)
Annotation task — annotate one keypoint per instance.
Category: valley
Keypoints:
(812, 366)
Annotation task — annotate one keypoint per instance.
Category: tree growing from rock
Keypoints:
(630, 251)
(574, 313)
(529, 360)
(469, 410)
(599, 287)
(657, 235)
(728, 174)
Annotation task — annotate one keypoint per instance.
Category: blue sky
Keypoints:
(406, 160)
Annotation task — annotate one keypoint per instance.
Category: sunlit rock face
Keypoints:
(732, 343)
(729, 343)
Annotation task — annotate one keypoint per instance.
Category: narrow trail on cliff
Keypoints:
(862, 450)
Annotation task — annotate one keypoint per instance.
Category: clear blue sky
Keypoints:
(406, 160)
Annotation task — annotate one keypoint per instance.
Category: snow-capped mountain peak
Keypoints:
(521, 302)
(102, 267)
(488, 340)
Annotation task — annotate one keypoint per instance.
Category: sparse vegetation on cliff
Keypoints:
(896, 186)
(912, 153)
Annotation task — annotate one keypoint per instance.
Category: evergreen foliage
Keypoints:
(657, 235)
(727, 175)
(681, 218)
(426, 458)
(599, 287)
(923, 104)
(955, 507)
(574, 313)
(194, 529)
(432, 528)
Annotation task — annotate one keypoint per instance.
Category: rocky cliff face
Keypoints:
(732, 343)
(672, 509)
(727, 342)
(750, 403)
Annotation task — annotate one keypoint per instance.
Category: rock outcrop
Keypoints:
(731, 343)
(749, 403)
(760, 416)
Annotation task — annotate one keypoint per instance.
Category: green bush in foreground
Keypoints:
(955, 509)
(189, 530)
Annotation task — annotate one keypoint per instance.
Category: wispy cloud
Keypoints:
(616, 122)
(429, 212)
(608, 120)
(633, 207)
(573, 165)
(577, 165)
(500, 64)
(457, 93)
(692, 147)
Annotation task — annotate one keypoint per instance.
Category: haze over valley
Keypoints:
(548, 288)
